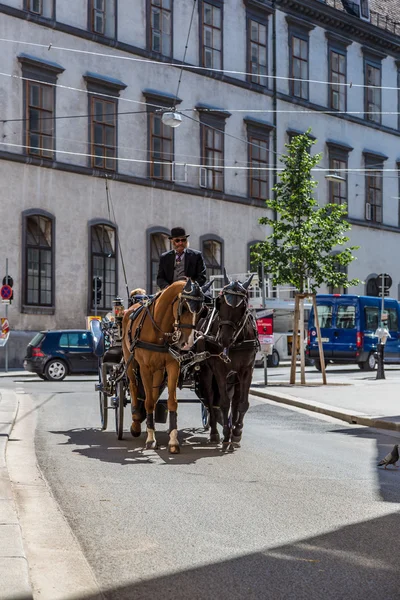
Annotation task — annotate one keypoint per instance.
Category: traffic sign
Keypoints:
(8, 280)
(6, 292)
(386, 280)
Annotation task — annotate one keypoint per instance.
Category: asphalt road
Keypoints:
(300, 511)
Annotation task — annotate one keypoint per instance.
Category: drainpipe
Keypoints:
(274, 107)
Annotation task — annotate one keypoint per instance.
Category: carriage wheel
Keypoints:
(205, 417)
(119, 410)
(103, 400)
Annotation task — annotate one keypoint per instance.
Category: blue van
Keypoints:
(348, 325)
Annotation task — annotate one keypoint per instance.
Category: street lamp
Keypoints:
(171, 119)
(335, 178)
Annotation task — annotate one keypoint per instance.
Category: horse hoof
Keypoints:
(214, 438)
(136, 430)
(151, 445)
(174, 449)
(227, 447)
(236, 439)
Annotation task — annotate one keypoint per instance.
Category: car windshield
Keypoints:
(37, 339)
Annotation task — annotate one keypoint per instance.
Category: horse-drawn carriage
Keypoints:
(180, 338)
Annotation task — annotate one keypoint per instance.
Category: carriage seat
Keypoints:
(113, 355)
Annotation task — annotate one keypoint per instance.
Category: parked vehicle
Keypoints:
(348, 324)
(54, 354)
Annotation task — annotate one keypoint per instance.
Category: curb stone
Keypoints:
(352, 417)
(14, 570)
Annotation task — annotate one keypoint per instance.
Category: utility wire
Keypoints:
(184, 54)
(197, 67)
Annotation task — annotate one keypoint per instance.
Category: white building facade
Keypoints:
(93, 181)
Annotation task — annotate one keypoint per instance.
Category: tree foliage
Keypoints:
(307, 240)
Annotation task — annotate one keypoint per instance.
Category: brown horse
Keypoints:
(157, 333)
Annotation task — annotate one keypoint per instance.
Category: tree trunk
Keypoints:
(294, 341)
(320, 346)
(302, 358)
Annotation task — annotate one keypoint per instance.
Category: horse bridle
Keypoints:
(183, 298)
(235, 326)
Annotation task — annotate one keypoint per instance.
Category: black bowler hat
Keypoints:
(178, 232)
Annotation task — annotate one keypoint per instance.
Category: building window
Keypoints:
(211, 30)
(257, 52)
(103, 264)
(258, 134)
(34, 6)
(373, 190)
(299, 67)
(337, 77)
(40, 8)
(338, 164)
(103, 132)
(161, 148)
(213, 256)
(213, 158)
(39, 102)
(372, 91)
(338, 189)
(160, 137)
(38, 260)
(159, 243)
(40, 119)
(259, 163)
(339, 289)
(102, 17)
(212, 127)
(160, 19)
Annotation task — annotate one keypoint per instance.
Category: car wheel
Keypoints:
(370, 363)
(317, 365)
(56, 370)
(42, 376)
(273, 359)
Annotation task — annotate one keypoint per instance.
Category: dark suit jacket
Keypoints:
(195, 267)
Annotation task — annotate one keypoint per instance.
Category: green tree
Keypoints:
(307, 244)
(306, 241)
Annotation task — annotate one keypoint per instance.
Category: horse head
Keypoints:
(232, 304)
(188, 308)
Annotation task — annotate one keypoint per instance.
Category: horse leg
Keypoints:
(147, 378)
(173, 374)
(242, 402)
(207, 384)
(136, 428)
(220, 376)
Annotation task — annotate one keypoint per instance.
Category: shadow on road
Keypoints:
(103, 446)
(357, 561)
(384, 444)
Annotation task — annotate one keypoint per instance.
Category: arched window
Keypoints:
(159, 243)
(103, 265)
(213, 252)
(252, 265)
(38, 262)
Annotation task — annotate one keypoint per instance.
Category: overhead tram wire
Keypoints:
(195, 165)
(349, 84)
(184, 54)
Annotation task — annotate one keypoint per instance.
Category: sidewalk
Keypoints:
(374, 403)
(14, 573)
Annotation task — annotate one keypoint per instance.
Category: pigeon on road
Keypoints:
(391, 458)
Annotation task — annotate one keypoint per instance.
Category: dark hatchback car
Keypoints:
(54, 354)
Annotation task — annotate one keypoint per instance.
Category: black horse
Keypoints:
(229, 335)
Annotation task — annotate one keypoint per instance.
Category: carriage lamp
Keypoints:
(118, 308)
